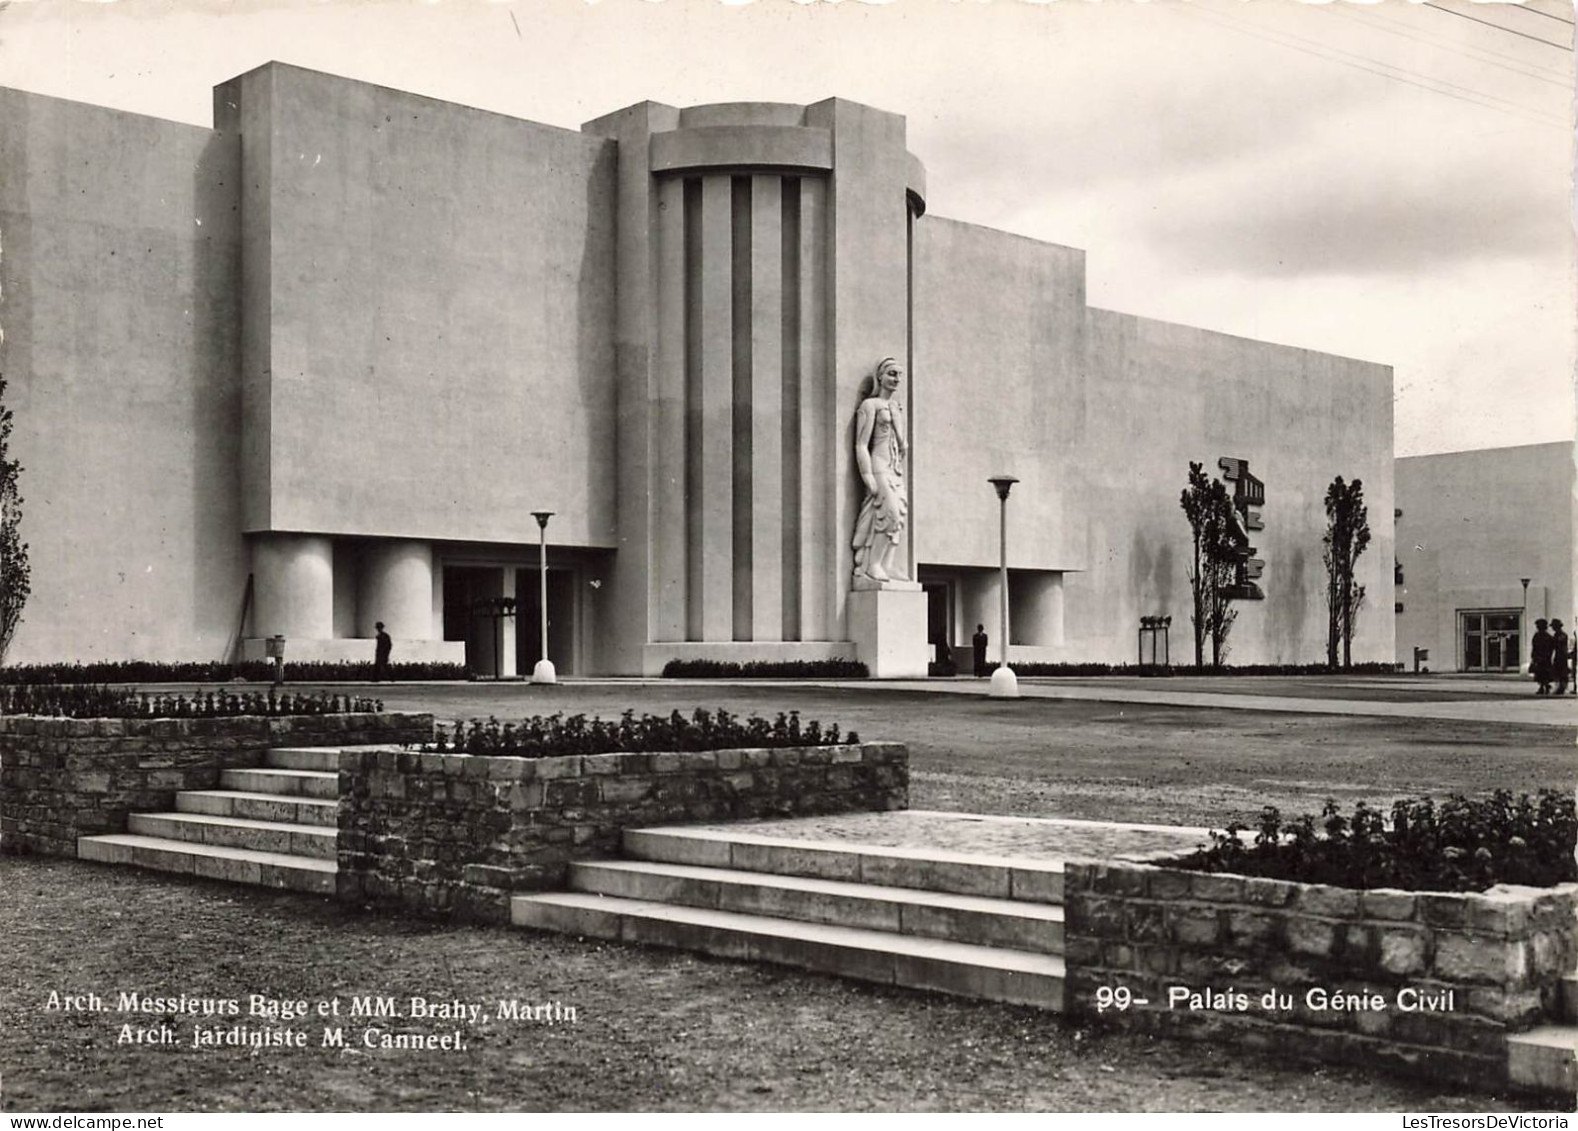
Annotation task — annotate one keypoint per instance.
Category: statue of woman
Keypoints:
(879, 455)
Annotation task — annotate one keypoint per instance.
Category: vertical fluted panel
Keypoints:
(767, 495)
(713, 490)
(668, 479)
(819, 427)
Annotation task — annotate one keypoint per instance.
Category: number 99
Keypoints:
(1109, 997)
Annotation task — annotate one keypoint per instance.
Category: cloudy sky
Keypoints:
(1390, 181)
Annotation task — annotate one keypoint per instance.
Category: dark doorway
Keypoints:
(467, 591)
(561, 620)
(939, 627)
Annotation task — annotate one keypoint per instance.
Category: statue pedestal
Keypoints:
(888, 627)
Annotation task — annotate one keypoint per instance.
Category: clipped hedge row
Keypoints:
(96, 701)
(1184, 669)
(200, 671)
(765, 669)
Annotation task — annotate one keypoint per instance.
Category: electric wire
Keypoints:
(1498, 27)
(1477, 54)
(1396, 74)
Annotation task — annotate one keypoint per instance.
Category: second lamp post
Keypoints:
(1004, 685)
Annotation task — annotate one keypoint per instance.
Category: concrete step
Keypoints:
(290, 783)
(874, 956)
(239, 865)
(237, 832)
(1008, 923)
(1036, 881)
(303, 758)
(260, 806)
(1544, 1060)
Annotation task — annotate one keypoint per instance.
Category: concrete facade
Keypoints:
(315, 367)
(1470, 527)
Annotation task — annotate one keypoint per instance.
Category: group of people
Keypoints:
(1553, 658)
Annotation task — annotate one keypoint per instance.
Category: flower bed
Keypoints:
(456, 834)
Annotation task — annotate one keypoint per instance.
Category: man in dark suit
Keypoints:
(381, 654)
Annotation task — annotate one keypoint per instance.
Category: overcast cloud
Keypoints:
(1274, 170)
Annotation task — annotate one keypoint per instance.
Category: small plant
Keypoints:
(1464, 844)
(544, 736)
(93, 701)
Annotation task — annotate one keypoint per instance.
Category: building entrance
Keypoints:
(528, 625)
(942, 659)
(1491, 639)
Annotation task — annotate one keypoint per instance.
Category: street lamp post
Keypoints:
(1523, 629)
(543, 672)
(1004, 685)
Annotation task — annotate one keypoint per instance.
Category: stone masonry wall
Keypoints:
(65, 778)
(1429, 983)
(453, 834)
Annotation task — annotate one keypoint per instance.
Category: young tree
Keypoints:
(1195, 503)
(1347, 535)
(1208, 508)
(15, 583)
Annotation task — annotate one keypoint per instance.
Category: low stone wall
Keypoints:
(453, 834)
(1429, 984)
(65, 778)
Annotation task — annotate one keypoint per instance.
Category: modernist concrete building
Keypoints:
(316, 366)
(1473, 528)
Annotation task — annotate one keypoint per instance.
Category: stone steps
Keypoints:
(239, 865)
(320, 812)
(1034, 881)
(988, 973)
(1014, 924)
(283, 782)
(977, 926)
(237, 832)
(1544, 1060)
(274, 826)
(320, 758)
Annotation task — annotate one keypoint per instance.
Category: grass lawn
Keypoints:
(653, 1030)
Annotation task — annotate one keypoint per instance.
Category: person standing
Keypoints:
(1540, 649)
(1572, 658)
(978, 642)
(381, 654)
(1559, 656)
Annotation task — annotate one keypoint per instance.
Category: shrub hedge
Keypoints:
(765, 669)
(1184, 669)
(1463, 844)
(547, 736)
(256, 671)
(95, 701)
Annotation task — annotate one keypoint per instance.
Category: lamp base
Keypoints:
(1004, 685)
(544, 673)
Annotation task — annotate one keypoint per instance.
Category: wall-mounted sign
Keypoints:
(1249, 494)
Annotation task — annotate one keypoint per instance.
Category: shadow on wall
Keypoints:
(596, 355)
(1288, 622)
(1154, 577)
(219, 558)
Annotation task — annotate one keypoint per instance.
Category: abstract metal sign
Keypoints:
(1249, 494)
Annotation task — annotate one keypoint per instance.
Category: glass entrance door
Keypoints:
(1492, 640)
